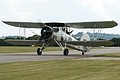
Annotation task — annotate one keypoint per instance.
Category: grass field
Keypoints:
(16, 49)
(61, 70)
(117, 55)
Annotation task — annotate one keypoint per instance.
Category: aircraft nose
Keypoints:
(46, 32)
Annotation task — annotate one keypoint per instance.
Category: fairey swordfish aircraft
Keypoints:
(59, 33)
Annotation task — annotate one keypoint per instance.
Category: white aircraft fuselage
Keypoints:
(60, 35)
(63, 36)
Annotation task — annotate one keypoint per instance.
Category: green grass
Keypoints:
(61, 70)
(17, 49)
(109, 55)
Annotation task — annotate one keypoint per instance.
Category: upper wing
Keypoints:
(99, 24)
(25, 24)
(91, 43)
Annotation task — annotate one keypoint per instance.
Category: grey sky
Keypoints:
(57, 11)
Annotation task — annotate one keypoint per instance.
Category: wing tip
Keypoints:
(5, 22)
(115, 23)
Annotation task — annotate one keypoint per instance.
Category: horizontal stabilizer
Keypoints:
(91, 43)
(23, 42)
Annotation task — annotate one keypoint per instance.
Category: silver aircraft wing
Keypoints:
(91, 43)
(25, 24)
(23, 42)
(97, 24)
(79, 25)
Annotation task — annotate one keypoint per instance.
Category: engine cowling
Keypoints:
(46, 33)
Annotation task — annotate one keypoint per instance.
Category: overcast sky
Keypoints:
(57, 11)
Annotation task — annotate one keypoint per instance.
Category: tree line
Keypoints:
(116, 41)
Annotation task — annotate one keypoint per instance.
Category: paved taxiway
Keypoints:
(58, 55)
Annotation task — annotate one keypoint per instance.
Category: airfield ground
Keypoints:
(61, 70)
(55, 55)
(52, 65)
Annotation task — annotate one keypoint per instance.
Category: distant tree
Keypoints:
(100, 39)
(34, 37)
(3, 43)
(16, 37)
(116, 42)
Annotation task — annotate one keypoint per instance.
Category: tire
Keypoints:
(39, 52)
(65, 52)
(82, 53)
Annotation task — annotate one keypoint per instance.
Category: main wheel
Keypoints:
(39, 51)
(66, 51)
(82, 53)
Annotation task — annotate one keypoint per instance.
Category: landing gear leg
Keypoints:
(65, 52)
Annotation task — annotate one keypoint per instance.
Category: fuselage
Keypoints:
(62, 35)
(58, 33)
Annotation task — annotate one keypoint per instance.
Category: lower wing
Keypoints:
(91, 43)
(23, 42)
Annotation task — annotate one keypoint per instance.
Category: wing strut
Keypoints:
(98, 34)
(94, 32)
(19, 32)
(65, 34)
(24, 33)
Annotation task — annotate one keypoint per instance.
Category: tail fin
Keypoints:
(85, 37)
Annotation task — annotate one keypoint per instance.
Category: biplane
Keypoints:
(61, 34)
